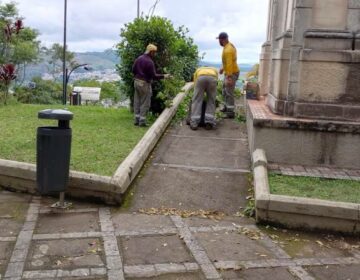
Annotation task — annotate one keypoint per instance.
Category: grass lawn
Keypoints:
(328, 189)
(101, 138)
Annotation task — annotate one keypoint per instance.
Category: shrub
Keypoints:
(176, 55)
(44, 92)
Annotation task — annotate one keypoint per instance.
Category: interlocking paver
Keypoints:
(177, 276)
(224, 246)
(13, 211)
(258, 274)
(131, 222)
(312, 245)
(227, 221)
(5, 253)
(65, 254)
(67, 223)
(335, 272)
(154, 250)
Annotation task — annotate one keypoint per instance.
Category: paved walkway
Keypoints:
(182, 220)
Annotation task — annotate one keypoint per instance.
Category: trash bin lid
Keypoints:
(55, 114)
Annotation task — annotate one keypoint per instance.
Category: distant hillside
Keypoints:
(243, 67)
(107, 60)
(98, 60)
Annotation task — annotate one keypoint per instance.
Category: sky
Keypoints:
(94, 25)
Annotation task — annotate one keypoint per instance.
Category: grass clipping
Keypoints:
(214, 215)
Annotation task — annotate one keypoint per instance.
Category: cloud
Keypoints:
(95, 25)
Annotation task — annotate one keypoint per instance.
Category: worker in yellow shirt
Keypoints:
(205, 79)
(231, 72)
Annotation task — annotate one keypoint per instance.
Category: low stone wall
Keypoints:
(21, 177)
(296, 141)
(298, 212)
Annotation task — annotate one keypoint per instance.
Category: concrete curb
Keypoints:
(20, 176)
(299, 212)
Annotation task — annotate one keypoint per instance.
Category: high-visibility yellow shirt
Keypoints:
(229, 59)
(205, 71)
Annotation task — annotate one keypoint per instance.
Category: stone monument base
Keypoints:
(302, 141)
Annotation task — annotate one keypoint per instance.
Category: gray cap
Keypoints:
(55, 114)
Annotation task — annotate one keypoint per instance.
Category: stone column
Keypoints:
(280, 56)
(265, 56)
(325, 69)
(354, 21)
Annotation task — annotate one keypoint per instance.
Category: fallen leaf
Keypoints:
(216, 215)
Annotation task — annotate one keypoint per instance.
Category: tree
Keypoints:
(54, 56)
(18, 46)
(43, 92)
(254, 72)
(176, 55)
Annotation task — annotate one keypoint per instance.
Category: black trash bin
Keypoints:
(75, 98)
(53, 152)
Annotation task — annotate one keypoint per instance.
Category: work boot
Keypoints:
(193, 126)
(136, 122)
(209, 126)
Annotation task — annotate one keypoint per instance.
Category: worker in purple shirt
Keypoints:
(144, 73)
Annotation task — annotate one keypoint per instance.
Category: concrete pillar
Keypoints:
(264, 68)
(280, 56)
(265, 56)
(290, 15)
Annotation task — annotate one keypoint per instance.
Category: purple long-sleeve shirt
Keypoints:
(144, 69)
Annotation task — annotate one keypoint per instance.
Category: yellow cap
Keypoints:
(151, 48)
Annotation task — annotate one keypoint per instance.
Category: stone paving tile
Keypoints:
(69, 278)
(5, 254)
(335, 272)
(313, 245)
(225, 221)
(231, 246)
(154, 250)
(177, 276)
(6, 196)
(66, 223)
(279, 273)
(131, 222)
(12, 216)
(65, 254)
